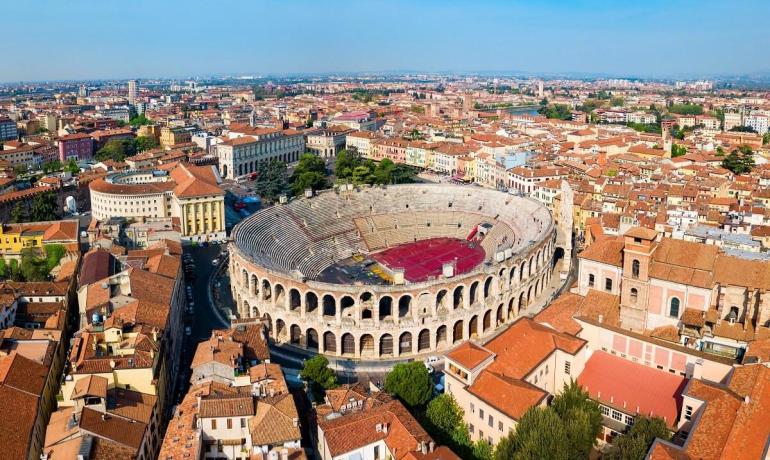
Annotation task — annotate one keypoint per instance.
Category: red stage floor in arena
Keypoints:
(424, 259)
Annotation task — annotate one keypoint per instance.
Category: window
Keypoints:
(481, 414)
(473, 408)
(491, 421)
(605, 411)
(500, 426)
(733, 315)
(471, 428)
(629, 420)
(688, 412)
(377, 452)
(608, 284)
(213, 424)
(591, 280)
(617, 416)
(567, 367)
(481, 434)
(635, 268)
(229, 424)
(634, 295)
(674, 308)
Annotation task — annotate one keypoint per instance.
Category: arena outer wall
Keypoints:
(391, 321)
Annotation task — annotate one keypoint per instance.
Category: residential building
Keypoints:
(8, 130)
(78, 146)
(248, 150)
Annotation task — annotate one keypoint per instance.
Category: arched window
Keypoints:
(634, 295)
(635, 268)
(733, 315)
(674, 310)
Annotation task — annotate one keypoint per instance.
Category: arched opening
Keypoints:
(487, 322)
(522, 302)
(295, 300)
(473, 326)
(346, 306)
(537, 287)
(348, 344)
(558, 255)
(634, 295)
(312, 339)
(635, 265)
(404, 306)
(440, 336)
(511, 311)
(386, 345)
(280, 329)
(529, 295)
(254, 285)
(366, 313)
(531, 267)
(311, 301)
(365, 300)
(423, 340)
(296, 334)
(405, 343)
(500, 318)
(386, 307)
(280, 296)
(267, 293)
(254, 312)
(367, 345)
(512, 276)
(244, 278)
(330, 342)
(329, 305)
(457, 301)
(522, 268)
(441, 300)
(267, 323)
(457, 331)
(674, 308)
(487, 288)
(474, 292)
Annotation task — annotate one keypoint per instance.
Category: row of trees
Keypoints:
(120, 149)
(44, 207)
(350, 167)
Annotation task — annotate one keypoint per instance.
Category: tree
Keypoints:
(581, 416)
(53, 254)
(444, 414)
(383, 173)
(766, 138)
(410, 382)
(143, 143)
(116, 150)
(72, 166)
(505, 448)
(539, 434)
(33, 268)
(678, 150)
(403, 174)
(44, 207)
(14, 273)
(309, 173)
(558, 111)
(686, 109)
(634, 444)
(482, 450)
(740, 160)
(742, 129)
(139, 120)
(272, 181)
(617, 101)
(52, 166)
(18, 213)
(319, 376)
(3, 268)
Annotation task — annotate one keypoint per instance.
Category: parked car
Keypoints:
(432, 359)
(215, 262)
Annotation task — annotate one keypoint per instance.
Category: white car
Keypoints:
(215, 262)
(432, 359)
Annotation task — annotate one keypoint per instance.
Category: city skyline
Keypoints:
(654, 40)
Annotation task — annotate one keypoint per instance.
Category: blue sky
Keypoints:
(78, 39)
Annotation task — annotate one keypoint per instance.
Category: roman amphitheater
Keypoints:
(390, 272)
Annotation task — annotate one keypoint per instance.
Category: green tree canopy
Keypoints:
(33, 267)
(140, 120)
(18, 213)
(143, 143)
(44, 207)
(740, 160)
(559, 111)
(444, 414)
(72, 166)
(686, 109)
(272, 180)
(581, 416)
(539, 434)
(410, 382)
(309, 173)
(319, 376)
(678, 150)
(116, 150)
(634, 444)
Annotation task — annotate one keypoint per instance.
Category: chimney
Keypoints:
(746, 399)
(423, 447)
(601, 318)
(385, 428)
(295, 421)
(431, 446)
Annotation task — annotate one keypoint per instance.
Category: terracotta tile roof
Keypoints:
(128, 433)
(93, 385)
(510, 396)
(633, 388)
(237, 406)
(606, 250)
(469, 355)
(559, 314)
(276, 421)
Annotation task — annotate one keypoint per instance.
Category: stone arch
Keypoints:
(295, 299)
(404, 306)
(537, 287)
(487, 323)
(311, 339)
(500, 318)
(522, 301)
(348, 344)
(405, 343)
(386, 345)
(329, 305)
(522, 269)
(487, 288)
(474, 292)
(280, 329)
(244, 278)
(311, 301)
(441, 338)
(511, 308)
(346, 306)
(441, 300)
(254, 285)
(423, 340)
(254, 312)
(529, 271)
(267, 291)
(529, 295)
(512, 276)
(330, 342)
(473, 326)
(267, 322)
(295, 334)
(366, 304)
(367, 345)
(280, 295)
(457, 331)
(458, 297)
(386, 307)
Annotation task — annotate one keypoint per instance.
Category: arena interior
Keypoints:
(390, 272)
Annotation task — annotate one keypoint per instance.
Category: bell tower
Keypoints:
(639, 244)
